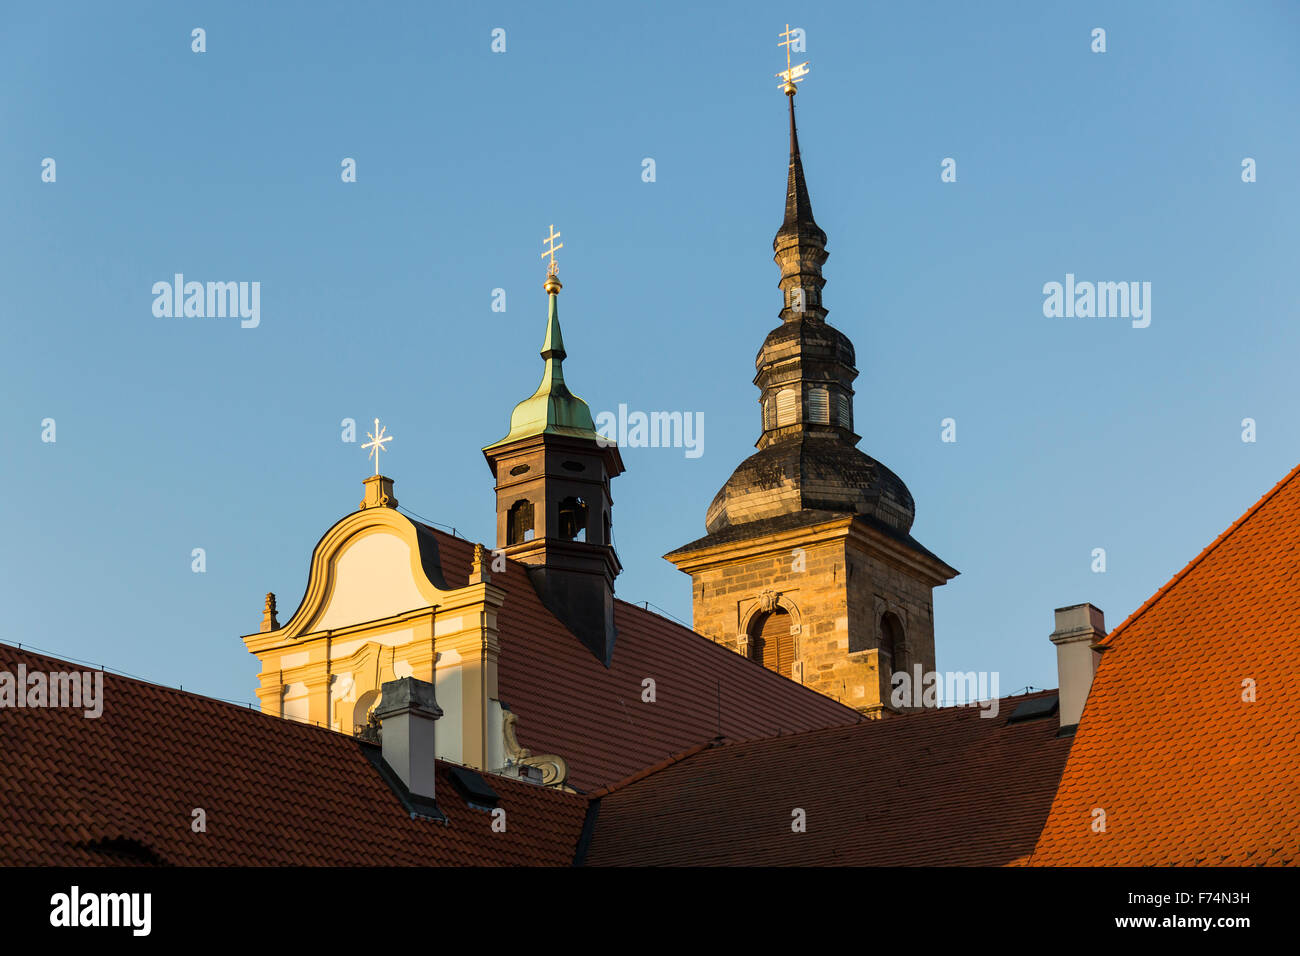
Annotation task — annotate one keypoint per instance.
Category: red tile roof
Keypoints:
(1186, 771)
(570, 704)
(121, 788)
(941, 787)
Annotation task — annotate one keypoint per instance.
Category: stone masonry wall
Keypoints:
(836, 596)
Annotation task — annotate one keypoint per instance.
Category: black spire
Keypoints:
(800, 244)
(798, 207)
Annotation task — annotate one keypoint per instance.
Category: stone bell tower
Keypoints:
(808, 566)
(554, 509)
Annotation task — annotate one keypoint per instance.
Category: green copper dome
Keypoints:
(552, 409)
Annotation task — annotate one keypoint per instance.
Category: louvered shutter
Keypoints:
(777, 642)
(787, 407)
(819, 406)
(843, 411)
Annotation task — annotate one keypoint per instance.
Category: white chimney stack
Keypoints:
(1078, 628)
(407, 712)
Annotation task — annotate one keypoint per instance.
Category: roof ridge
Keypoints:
(310, 726)
(246, 708)
(723, 743)
(705, 641)
(708, 642)
(648, 771)
(1109, 639)
(865, 721)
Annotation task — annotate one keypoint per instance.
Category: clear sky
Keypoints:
(1072, 433)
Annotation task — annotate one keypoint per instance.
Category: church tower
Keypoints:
(553, 502)
(808, 565)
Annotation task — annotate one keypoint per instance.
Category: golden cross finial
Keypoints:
(552, 249)
(791, 74)
(376, 443)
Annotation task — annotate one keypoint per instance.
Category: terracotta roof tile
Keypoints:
(569, 703)
(119, 790)
(942, 787)
(1185, 770)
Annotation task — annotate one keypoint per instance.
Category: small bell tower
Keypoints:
(554, 509)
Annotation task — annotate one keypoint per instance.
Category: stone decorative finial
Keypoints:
(269, 620)
(478, 569)
(379, 493)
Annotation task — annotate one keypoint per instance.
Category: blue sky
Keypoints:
(1072, 434)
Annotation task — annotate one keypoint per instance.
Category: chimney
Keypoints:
(407, 712)
(1078, 628)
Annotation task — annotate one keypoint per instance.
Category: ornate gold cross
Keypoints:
(376, 443)
(791, 74)
(552, 249)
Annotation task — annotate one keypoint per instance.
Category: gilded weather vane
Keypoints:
(791, 74)
(376, 443)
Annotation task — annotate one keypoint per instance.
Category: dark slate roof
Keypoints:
(755, 529)
(798, 222)
(808, 336)
(570, 704)
(119, 789)
(815, 472)
(790, 522)
(936, 788)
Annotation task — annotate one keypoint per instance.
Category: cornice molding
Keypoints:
(848, 529)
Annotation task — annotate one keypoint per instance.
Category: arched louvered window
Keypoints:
(769, 414)
(787, 407)
(771, 642)
(819, 406)
(843, 411)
